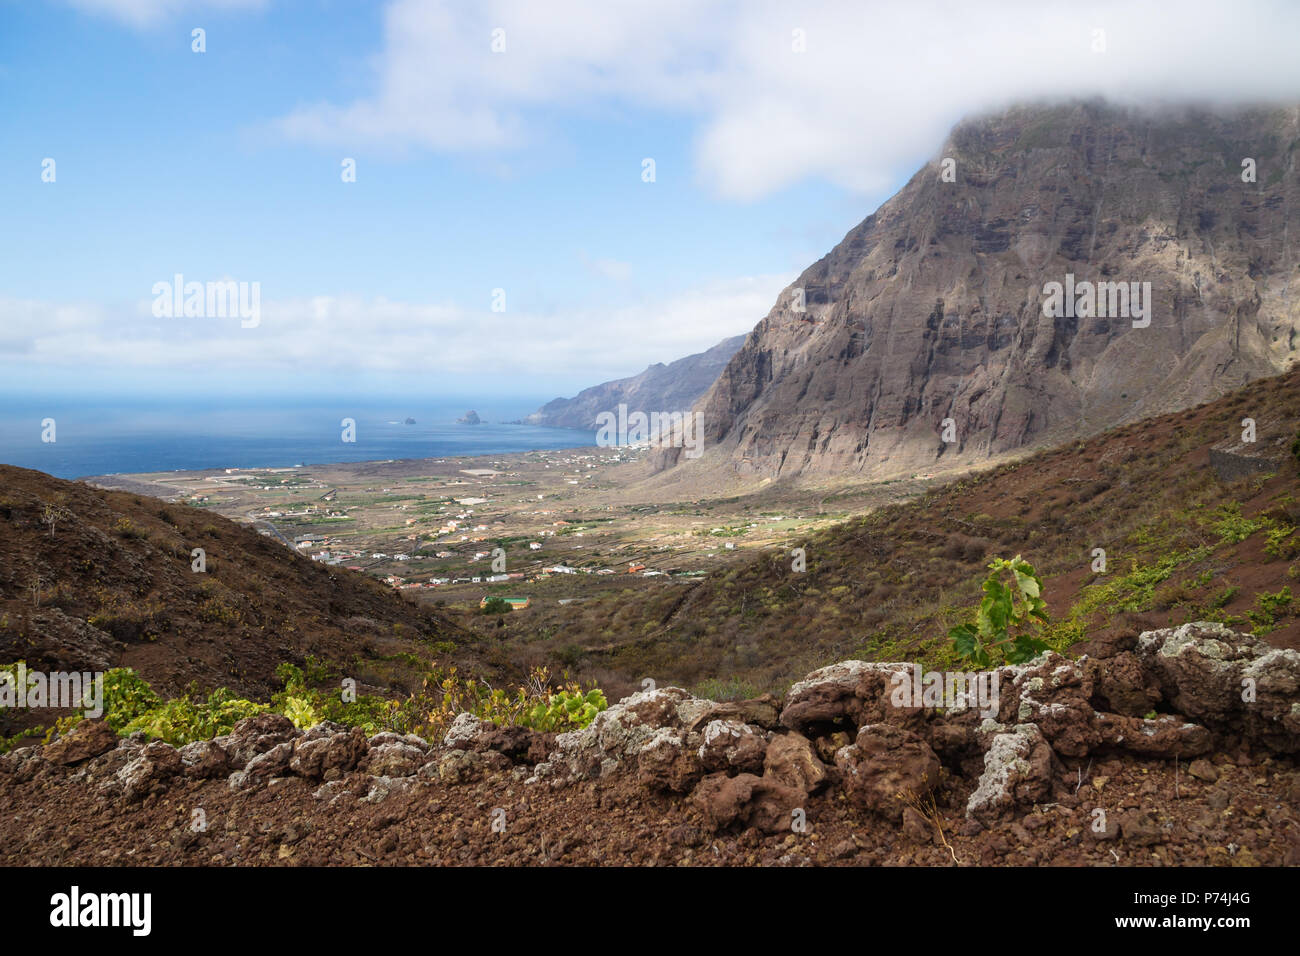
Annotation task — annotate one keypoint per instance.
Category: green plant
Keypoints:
(1231, 526)
(182, 720)
(126, 697)
(1009, 617)
(564, 710)
(1267, 609)
(495, 605)
(1282, 543)
(1295, 447)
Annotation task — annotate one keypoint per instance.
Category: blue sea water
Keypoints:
(93, 438)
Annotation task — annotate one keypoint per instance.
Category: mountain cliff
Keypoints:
(660, 388)
(933, 307)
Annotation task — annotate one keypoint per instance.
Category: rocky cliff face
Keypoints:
(933, 307)
(674, 387)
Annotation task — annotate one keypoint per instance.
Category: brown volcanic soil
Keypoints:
(888, 586)
(117, 590)
(1249, 816)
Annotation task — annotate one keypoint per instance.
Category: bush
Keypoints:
(181, 720)
(495, 605)
(1015, 605)
(126, 697)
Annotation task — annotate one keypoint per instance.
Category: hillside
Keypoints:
(1181, 544)
(676, 386)
(932, 307)
(109, 583)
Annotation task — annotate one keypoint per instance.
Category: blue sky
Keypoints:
(518, 169)
(169, 160)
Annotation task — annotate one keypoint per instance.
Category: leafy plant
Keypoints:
(181, 720)
(126, 697)
(495, 605)
(1231, 526)
(1267, 609)
(564, 710)
(1282, 543)
(1009, 618)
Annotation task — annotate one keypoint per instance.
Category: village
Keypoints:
(555, 526)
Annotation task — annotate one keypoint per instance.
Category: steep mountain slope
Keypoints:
(674, 387)
(1189, 535)
(932, 308)
(110, 583)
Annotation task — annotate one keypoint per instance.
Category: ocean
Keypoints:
(94, 438)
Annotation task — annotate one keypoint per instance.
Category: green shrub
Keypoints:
(126, 697)
(1268, 607)
(1231, 527)
(1009, 618)
(181, 720)
(1282, 543)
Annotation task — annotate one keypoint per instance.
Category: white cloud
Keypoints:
(141, 13)
(611, 269)
(878, 86)
(346, 337)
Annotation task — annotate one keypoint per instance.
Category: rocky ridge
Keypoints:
(932, 307)
(764, 766)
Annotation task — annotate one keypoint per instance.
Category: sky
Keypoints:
(503, 234)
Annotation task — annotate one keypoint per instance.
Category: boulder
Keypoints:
(1123, 685)
(791, 761)
(618, 734)
(150, 771)
(840, 696)
(271, 763)
(463, 730)
(732, 747)
(396, 759)
(204, 760)
(748, 801)
(1163, 737)
(89, 738)
(666, 763)
(1235, 684)
(1018, 771)
(315, 755)
(256, 735)
(885, 766)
